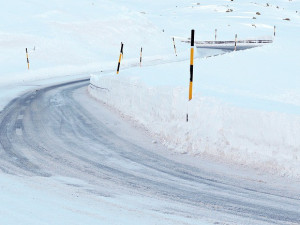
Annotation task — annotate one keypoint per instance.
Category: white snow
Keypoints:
(62, 200)
(245, 107)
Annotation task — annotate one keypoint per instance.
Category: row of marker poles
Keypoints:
(120, 57)
(27, 58)
(217, 30)
(192, 53)
(174, 46)
(191, 71)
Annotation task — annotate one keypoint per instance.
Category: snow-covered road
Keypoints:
(61, 131)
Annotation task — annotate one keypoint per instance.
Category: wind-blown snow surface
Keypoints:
(67, 37)
(61, 200)
(246, 105)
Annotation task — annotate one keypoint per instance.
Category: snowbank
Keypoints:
(268, 140)
(246, 105)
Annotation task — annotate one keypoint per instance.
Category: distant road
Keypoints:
(230, 45)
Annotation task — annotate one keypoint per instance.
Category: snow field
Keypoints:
(69, 38)
(249, 115)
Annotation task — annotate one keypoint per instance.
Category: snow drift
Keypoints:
(256, 138)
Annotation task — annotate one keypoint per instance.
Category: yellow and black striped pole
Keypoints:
(27, 58)
(191, 70)
(121, 56)
(141, 56)
(174, 46)
(235, 42)
(191, 65)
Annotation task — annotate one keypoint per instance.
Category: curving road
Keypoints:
(61, 131)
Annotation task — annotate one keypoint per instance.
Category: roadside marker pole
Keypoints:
(121, 56)
(274, 31)
(191, 70)
(235, 42)
(174, 46)
(27, 58)
(216, 34)
(141, 56)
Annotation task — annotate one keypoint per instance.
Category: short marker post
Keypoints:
(216, 34)
(121, 56)
(235, 42)
(191, 70)
(27, 58)
(141, 56)
(274, 31)
(174, 46)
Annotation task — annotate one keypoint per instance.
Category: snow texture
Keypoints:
(246, 104)
(245, 107)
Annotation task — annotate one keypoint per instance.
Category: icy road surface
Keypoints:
(60, 131)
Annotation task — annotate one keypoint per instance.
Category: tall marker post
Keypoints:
(191, 70)
(235, 42)
(174, 46)
(141, 56)
(27, 58)
(274, 31)
(121, 56)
